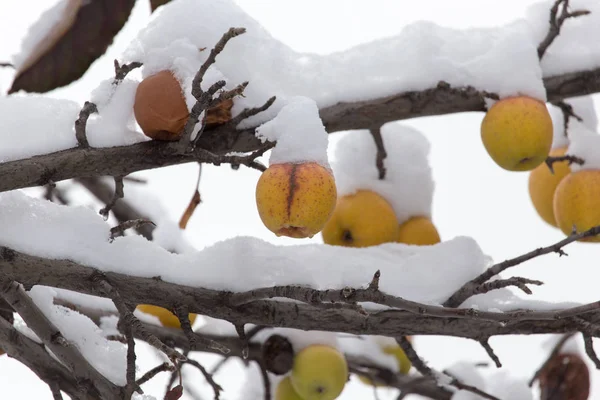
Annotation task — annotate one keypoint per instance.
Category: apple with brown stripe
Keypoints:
(296, 199)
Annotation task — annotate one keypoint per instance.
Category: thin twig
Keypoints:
(250, 112)
(556, 23)
(553, 353)
(123, 226)
(589, 350)
(194, 202)
(414, 358)
(121, 71)
(127, 317)
(517, 281)
(550, 160)
(131, 386)
(568, 113)
(381, 153)
(266, 381)
(490, 351)
(154, 371)
(81, 124)
(118, 195)
(217, 389)
(470, 287)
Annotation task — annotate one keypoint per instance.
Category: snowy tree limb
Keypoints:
(474, 286)
(467, 323)
(68, 354)
(215, 143)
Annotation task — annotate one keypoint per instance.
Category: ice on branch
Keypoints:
(34, 124)
(415, 59)
(299, 133)
(408, 185)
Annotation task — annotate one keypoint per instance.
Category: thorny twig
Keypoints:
(469, 288)
(118, 195)
(553, 353)
(81, 123)
(556, 23)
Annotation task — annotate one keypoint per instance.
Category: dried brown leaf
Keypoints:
(219, 114)
(189, 211)
(565, 377)
(175, 393)
(74, 43)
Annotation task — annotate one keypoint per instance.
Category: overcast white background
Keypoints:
(473, 196)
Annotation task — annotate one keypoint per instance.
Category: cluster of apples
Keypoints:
(517, 133)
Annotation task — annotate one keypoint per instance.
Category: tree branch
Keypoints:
(470, 288)
(556, 22)
(66, 352)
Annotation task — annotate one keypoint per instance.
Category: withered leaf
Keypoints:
(175, 393)
(154, 4)
(76, 41)
(565, 377)
(219, 114)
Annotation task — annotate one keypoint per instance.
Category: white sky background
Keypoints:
(473, 196)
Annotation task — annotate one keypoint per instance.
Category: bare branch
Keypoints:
(550, 160)
(568, 113)
(381, 153)
(469, 288)
(589, 350)
(55, 389)
(122, 227)
(414, 357)
(164, 367)
(123, 211)
(121, 71)
(502, 283)
(217, 389)
(65, 351)
(118, 195)
(250, 112)
(130, 372)
(81, 124)
(488, 348)
(556, 22)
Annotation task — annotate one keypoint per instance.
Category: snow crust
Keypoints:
(417, 58)
(299, 133)
(107, 357)
(408, 185)
(34, 124)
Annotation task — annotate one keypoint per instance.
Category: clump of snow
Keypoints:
(299, 133)
(107, 357)
(22, 327)
(417, 58)
(408, 185)
(585, 144)
(33, 124)
(428, 274)
(572, 50)
(583, 106)
(170, 236)
(114, 124)
(49, 27)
